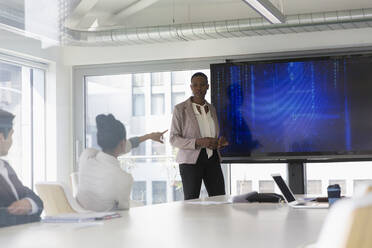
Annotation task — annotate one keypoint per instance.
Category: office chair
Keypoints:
(57, 199)
(348, 224)
(74, 177)
(369, 189)
(361, 228)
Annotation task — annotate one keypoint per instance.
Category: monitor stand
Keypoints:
(296, 177)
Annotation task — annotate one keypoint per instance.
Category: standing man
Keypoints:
(195, 132)
(18, 204)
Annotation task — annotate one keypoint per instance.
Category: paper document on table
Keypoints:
(80, 217)
(208, 202)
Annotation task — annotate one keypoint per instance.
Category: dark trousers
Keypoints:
(208, 170)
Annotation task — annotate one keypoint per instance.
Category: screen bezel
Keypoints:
(278, 179)
(305, 157)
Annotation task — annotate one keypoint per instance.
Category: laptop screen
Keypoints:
(284, 188)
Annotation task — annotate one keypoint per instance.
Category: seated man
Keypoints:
(18, 204)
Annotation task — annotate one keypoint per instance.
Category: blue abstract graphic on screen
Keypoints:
(294, 107)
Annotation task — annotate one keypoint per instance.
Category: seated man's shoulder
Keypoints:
(8, 166)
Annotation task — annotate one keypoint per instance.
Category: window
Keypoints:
(139, 191)
(157, 148)
(140, 150)
(177, 191)
(314, 187)
(255, 177)
(159, 192)
(157, 104)
(349, 175)
(22, 93)
(203, 191)
(361, 182)
(177, 98)
(138, 80)
(243, 187)
(143, 103)
(266, 186)
(181, 77)
(138, 105)
(157, 79)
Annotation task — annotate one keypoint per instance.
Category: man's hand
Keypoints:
(222, 142)
(210, 143)
(21, 207)
(157, 136)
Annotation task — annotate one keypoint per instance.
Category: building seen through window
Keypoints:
(143, 103)
(314, 187)
(138, 104)
(139, 191)
(266, 186)
(243, 187)
(157, 104)
(159, 192)
(22, 93)
(177, 191)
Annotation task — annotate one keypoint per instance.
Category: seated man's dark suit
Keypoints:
(7, 197)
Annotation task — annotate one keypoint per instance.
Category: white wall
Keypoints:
(59, 121)
(225, 48)
(58, 96)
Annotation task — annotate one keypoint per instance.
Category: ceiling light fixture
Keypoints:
(267, 10)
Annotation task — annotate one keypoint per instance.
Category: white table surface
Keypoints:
(179, 225)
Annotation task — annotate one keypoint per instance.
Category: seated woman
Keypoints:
(103, 185)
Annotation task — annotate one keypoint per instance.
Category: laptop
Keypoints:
(291, 199)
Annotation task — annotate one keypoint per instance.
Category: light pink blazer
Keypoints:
(185, 130)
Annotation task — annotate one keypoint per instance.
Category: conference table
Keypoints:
(178, 225)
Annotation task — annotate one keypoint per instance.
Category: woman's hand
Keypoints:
(222, 142)
(157, 136)
(210, 143)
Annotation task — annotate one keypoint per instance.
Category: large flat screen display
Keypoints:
(305, 109)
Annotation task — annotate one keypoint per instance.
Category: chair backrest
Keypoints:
(361, 229)
(348, 224)
(74, 177)
(54, 198)
(369, 189)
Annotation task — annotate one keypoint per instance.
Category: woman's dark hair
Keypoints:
(6, 122)
(110, 132)
(199, 74)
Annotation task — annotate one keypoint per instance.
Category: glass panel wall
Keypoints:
(22, 92)
(255, 177)
(349, 175)
(143, 103)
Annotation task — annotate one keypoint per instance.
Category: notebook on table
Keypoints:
(80, 217)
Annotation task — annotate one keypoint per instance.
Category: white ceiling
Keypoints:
(140, 13)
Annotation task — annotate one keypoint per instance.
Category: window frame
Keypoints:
(80, 73)
(79, 87)
(40, 116)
